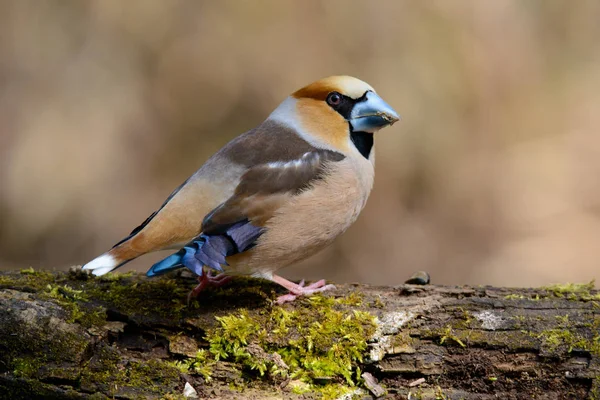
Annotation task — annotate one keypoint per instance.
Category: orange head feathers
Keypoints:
(345, 85)
(329, 111)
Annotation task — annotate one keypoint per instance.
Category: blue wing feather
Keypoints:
(210, 250)
(170, 263)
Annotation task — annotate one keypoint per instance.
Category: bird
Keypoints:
(272, 196)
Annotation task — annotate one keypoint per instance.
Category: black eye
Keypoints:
(334, 99)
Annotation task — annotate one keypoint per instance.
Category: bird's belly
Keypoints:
(306, 225)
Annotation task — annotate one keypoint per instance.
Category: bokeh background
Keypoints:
(492, 176)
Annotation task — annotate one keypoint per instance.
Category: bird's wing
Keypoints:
(264, 187)
(235, 225)
(180, 217)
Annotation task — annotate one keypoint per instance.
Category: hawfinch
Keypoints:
(271, 197)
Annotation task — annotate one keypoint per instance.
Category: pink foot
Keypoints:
(297, 290)
(208, 279)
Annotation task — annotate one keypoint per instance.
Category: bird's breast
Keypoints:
(313, 219)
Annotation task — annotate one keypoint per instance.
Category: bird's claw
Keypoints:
(301, 290)
(205, 280)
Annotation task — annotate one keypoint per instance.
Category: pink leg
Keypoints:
(208, 279)
(297, 290)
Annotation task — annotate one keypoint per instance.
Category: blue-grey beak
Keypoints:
(372, 114)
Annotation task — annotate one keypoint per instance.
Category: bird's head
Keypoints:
(335, 111)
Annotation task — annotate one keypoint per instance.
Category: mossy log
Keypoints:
(72, 336)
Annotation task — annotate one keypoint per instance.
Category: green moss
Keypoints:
(564, 339)
(116, 276)
(29, 271)
(377, 303)
(65, 292)
(92, 317)
(563, 320)
(448, 334)
(595, 390)
(439, 394)
(43, 339)
(515, 296)
(121, 292)
(28, 278)
(27, 389)
(201, 364)
(519, 321)
(26, 367)
(402, 342)
(353, 299)
(70, 300)
(110, 374)
(174, 396)
(31, 349)
(132, 297)
(63, 347)
(48, 286)
(320, 344)
(574, 291)
(510, 340)
(335, 391)
(463, 318)
(555, 340)
(66, 297)
(149, 374)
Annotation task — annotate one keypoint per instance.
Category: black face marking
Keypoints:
(363, 141)
(345, 105)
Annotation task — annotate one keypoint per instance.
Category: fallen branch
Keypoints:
(71, 336)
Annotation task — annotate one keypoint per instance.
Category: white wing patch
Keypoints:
(294, 163)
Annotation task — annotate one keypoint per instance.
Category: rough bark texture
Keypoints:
(71, 336)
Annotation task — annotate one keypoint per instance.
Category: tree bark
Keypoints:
(72, 336)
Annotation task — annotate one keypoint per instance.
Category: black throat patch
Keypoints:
(363, 141)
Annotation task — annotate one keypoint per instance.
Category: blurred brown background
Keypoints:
(492, 176)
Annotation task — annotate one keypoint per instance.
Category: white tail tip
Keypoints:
(101, 265)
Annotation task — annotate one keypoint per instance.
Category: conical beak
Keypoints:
(372, 114)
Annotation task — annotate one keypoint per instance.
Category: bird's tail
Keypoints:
(112, 259)
(103, 264)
